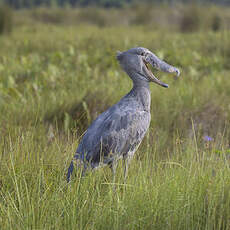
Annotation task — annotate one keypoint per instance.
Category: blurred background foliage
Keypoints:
(180, 17)
(104, 3)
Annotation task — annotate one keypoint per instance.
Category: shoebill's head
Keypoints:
(135, 63)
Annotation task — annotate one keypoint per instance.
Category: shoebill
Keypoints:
(117, 132)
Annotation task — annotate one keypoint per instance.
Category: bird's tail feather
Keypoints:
(70, 171)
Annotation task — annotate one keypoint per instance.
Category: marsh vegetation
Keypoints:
(57, 76)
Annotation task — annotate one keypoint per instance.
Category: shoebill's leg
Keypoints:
(126, 162)
(83, 169)
(114, 169)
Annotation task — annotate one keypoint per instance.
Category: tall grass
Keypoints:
(188, 190)
(55, 80)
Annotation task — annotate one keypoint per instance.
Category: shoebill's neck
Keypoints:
(141, 92)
